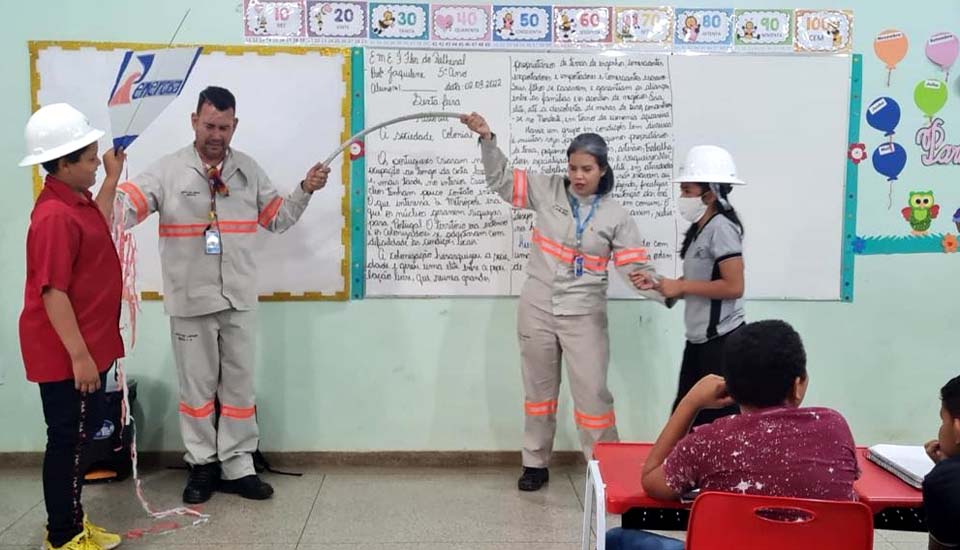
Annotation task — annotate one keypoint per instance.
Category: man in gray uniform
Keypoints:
(211, 200)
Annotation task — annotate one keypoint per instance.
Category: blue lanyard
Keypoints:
(581, 226)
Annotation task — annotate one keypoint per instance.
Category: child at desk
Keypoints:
(774, 447)
(941, 487)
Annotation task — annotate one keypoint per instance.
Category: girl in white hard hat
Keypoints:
(712, 253)
(70, 325)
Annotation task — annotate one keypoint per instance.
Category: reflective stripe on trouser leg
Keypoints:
(586, 348)
(540, 365)
(237, 433)
(196, 350)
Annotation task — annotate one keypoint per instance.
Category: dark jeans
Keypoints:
(700, 360)
(72, 421)
(628, 539)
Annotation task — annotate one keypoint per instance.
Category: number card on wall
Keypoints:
(763, 30)
(644, 26)
(399, 22)
(829, 31)
(461, 24)
(339, 22)
(273, 20)
(698, 29)
(586, 25)
(522, 25)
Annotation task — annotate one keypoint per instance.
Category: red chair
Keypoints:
(725, 521)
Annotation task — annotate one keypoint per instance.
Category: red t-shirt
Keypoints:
(69, 248)
(783, 451)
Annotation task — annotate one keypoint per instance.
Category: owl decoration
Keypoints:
(921, 211)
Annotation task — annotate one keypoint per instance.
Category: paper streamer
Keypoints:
(127, 252)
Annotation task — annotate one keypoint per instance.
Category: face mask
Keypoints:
(691, 208)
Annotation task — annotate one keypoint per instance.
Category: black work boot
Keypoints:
(201, 483)
(250, 486)
(533, 479)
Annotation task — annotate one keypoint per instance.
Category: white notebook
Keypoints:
(908, 462)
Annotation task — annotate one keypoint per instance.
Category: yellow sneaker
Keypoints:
(99, 535)
(79, 542)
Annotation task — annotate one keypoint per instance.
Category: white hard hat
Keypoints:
(54, 131)
(708, 164)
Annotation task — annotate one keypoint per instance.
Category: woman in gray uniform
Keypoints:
(578, 230)
(712, 282)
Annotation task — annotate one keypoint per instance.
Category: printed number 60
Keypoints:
(589, 19)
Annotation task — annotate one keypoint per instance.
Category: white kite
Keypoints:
(146, 83)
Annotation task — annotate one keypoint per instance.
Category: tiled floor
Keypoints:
(344, 508)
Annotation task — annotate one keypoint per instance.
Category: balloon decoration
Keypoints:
(930, 96)
(889, 160)
(884, 115)
(942, 49)
(891, 47)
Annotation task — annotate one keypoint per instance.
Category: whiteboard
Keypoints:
(293, 110)
(434, 230)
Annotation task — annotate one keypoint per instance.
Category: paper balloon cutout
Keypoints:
(930, 96)
(884, 115)
(889, 160)
(942, 49)
(891, 47)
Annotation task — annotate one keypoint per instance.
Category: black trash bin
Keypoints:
(108, 454)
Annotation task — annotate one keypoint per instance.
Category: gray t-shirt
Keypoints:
(705, 319)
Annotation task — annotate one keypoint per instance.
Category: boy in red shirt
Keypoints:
(69, 328)
(774, 447)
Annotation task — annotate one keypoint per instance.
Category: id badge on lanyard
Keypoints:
(211, 239)
(580, 227)
(213, 245)
(578, 265)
